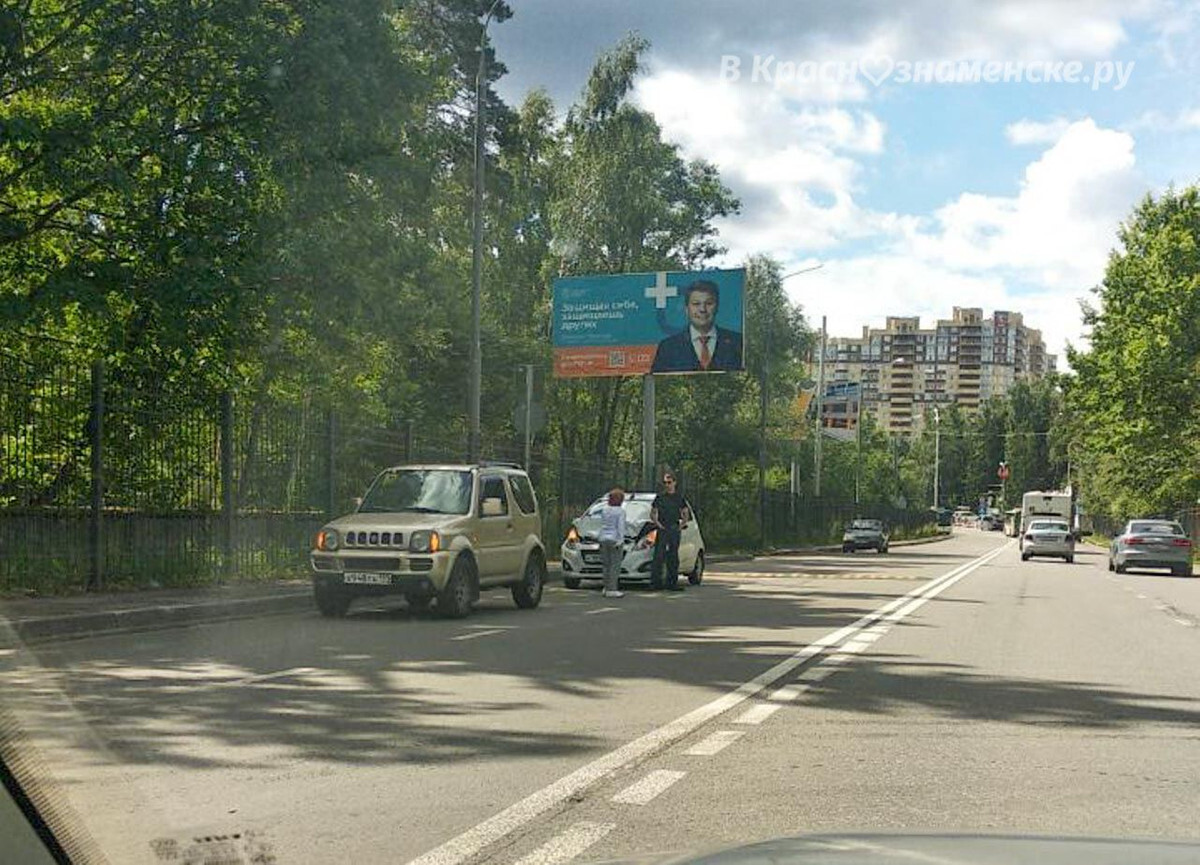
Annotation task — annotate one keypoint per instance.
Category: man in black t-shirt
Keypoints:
(670, 514)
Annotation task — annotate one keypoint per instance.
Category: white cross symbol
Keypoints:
(660, 291)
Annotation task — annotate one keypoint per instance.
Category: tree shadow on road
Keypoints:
(892, 685)
(387, 686)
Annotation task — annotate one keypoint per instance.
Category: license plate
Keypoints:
(368, 579)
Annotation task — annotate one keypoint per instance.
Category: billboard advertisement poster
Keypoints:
(635, 323)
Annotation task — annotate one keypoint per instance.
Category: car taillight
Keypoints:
(1181, 542)
(1135, 541)
(649, 540)
(572, 536)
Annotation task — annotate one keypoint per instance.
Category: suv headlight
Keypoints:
(327, 540)
(424, 542)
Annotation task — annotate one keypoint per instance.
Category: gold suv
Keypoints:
(435, 532)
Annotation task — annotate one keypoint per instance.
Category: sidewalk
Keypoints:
(37, 620)
(41, 620)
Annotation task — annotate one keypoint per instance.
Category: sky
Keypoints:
(926, 154)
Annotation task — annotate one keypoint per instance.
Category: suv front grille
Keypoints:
(374, 539)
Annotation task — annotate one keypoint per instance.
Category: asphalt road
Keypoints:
(948, 687)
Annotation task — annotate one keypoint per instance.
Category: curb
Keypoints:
(43, 629)
(159, 616)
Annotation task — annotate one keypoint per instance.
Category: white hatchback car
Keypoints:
(581, 549)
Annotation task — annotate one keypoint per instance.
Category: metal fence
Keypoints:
(107, 485)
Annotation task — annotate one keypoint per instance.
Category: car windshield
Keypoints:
(432, 491)
(636, 510)
(1155, 528)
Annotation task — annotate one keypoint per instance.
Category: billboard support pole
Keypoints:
(648, 456)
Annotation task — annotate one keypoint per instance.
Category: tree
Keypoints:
(1134, 399)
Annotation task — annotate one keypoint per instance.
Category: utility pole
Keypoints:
(475, 385)
(762, 440)
(820, 410)
(528, 413)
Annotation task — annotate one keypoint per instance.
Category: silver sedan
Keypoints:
(1048, 538)
(1152, 544)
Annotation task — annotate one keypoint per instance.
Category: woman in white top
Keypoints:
(612, 542)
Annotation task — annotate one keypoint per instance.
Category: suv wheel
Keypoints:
(332, 601)
(697, 574)
(454, 601)
(527, 594)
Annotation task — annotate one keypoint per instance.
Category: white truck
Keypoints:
(1037, 503)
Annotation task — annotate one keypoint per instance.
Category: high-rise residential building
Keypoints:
(901, 369)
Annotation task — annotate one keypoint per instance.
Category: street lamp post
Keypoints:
(475, 386)
(762, 431)
(937, 454)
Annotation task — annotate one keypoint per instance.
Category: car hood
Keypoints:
(400, 520)
(589, 527)
(956, 849)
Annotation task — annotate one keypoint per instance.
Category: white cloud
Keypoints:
(1185, 120)
(1058, 229)
(802, 170)
(796, 169)
(1036, 132)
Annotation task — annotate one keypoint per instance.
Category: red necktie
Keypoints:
(705, 355)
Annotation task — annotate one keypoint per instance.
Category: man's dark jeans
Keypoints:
(666, 551)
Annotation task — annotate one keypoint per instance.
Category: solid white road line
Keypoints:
(475, 839)
(568, 845)
(757, 714)
(714, 744)
(602, 610)
(644, 791)
(476, 634)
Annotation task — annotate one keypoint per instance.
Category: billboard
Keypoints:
(635, 323)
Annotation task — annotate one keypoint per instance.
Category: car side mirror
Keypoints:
(492, 508)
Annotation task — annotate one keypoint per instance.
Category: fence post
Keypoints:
(96, 534)
(331, 465)
(227, 512)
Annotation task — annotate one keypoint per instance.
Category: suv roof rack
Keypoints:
(500, 464)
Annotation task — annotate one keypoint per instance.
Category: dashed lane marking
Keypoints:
(568, 845)
(714, 744)
(644, 791)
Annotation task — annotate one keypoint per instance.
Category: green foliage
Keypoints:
(1134, 400)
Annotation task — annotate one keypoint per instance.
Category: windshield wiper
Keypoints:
(420, 509)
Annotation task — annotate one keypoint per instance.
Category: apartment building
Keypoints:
(899, 370)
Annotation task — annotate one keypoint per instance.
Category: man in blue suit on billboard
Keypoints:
(702, 346)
